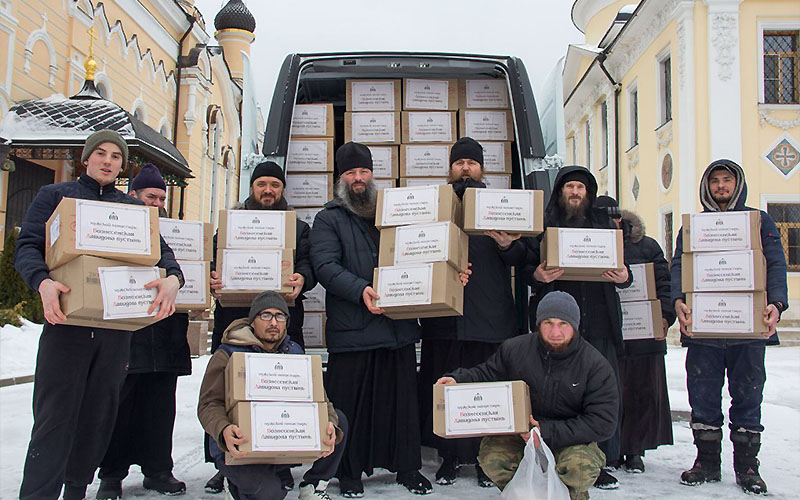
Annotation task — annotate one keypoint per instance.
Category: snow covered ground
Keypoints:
(779, 458)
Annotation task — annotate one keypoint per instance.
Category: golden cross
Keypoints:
(92, 38)
(90, 65)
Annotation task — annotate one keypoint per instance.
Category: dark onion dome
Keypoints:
(235, 16)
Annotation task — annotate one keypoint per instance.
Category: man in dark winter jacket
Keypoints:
(572, 205)
(574, 396)
(79, 370)
(489, 317)
(647, 420)
(372, 362)
(723, 189)
(146, 417)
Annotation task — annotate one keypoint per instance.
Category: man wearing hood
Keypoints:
(372, 361)
(723, 189)
(489, 317)
(572, 205)
(262, 331)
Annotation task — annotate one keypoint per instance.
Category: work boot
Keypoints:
(447, 473)
(483, 479)
(706, 468)
(311, 491)
(606, 481)
(216, 484)
(110, 489)
(414, 482)
(164, 483)
(351, 487)
(72, 492)
(746, 446)
(634, 464)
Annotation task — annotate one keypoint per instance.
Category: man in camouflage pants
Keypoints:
(574, 396)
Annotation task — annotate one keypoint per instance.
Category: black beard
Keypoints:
(362, 204)
(574, 213)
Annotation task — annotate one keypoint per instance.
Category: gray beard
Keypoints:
(361, 204)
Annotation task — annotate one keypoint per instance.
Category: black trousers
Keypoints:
(608, 349)
(79, 374)
(143, 430)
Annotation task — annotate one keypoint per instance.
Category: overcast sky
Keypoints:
(537, 31)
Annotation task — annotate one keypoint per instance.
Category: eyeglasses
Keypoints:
(268, 316)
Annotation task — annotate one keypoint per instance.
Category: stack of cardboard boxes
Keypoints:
(309, 159)
(724, 274)
(314, 318)
(641, 309)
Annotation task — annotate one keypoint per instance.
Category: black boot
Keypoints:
(483, 479)
(216, 484)
(164, 483)
(448, 472)
(72, 492)
(746, 446)
(706, 468)
(414, 482)
(110, 489)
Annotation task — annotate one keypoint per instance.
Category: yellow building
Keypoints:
(661, 88)
(154, 60)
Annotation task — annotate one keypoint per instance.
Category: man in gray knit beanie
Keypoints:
(556, 312)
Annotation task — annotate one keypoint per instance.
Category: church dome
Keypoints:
(235, 15)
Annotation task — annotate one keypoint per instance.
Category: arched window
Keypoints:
(102, 90)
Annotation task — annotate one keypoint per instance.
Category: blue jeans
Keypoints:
(706, 366)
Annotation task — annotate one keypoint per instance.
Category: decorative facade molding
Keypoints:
(781, 124)
(664, 135)
(41, 35)
(682, 54)
(633, 156)
(725, 41)
(635, 40)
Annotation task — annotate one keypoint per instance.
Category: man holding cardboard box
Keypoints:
(372, 362)
(263, 331)
(574, 398)
(723, 190)
(79, 370)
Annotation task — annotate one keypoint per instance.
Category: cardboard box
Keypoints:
(717, 231)
(251, 376)
(189, 240)
(422, 181)
(510, 210)
(483, 94)
(310, 155)
(417, 205)
(481, 409)
(727, 315)
(385, 160)
(106, 293)
(486, 124)
(733, 271)
(312, 120)
(307, 215)
(440, 95)
(375, 127)
(429, 126)
(420, 243)
(425, 160)
(196, 292)
(497, 181)
(419, 290)
(308, 190)
(642, 320)
(385, 183)
(117, 231)
(257, 229)
(314, 299)
(314, 329)
(279, 432)
(496, 157)
(246, 273)
(643, 286)
(197, 335)
(583, 254)
(373, 95)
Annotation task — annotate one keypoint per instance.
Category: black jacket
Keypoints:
(574, 394)
(162, 347)
(344, 259)
(641, 249)
(29, 259)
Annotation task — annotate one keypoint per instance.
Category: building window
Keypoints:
(138, 114)
(588, 145)
(572, 153)
(633, 118)
(665, 90)
(102, 90)
(787, 218)
(668, 236)
(780, 67)
(604, 134)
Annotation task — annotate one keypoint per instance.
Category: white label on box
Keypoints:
(383, 183)
(55, 229)
(494, 157)
(256, 229)
(720, 231)
(309, 119)
(124, 294)
(506, 210)
(638, 288)
(410, 205)
(307, 190)
(308, 156)
(373, 96)
(315, 299)
(313, 330)
(488, 408)
(413, 182)
(722, 313)
(105, 227)
(373, 127)
(497, 181)
(430, 127)
(278, 377)
(185, 238)
(715, 271)
(637, 321)
(196, 288)
(487, 94)
(381, 161)
(405, 285)
(307, 215)
(281, 426)
(426, 94)
(421, 243)
(251, 269)
(486, 125)
(427, 160)
(587, 248)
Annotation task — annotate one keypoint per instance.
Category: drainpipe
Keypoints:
(192, 20)
(601, 59)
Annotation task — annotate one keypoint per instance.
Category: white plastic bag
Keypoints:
(536, 477)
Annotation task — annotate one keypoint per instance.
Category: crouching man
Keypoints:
(574, 396)
(263, 331)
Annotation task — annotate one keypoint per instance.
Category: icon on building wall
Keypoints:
(784, 155)
(666, 171)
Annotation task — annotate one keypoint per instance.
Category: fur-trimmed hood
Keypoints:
(632, 226)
